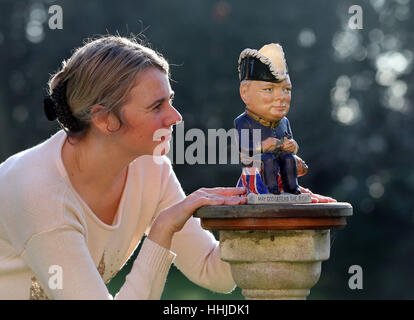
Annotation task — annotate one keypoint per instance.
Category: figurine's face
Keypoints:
(269, 100)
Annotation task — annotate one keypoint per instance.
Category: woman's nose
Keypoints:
(174, 117)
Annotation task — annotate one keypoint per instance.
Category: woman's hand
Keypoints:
(172, 219)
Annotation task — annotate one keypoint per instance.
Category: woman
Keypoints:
(74, 207)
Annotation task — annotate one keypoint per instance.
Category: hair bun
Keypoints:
(56, 107)
(49, 108)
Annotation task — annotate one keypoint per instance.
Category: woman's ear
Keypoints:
(105, 122)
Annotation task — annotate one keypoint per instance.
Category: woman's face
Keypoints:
(269, 100)
(148, 116)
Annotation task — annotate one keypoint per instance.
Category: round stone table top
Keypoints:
(275, 216)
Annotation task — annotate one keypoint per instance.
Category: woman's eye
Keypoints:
(288, 89)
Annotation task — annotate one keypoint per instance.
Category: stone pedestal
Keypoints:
(275, 251)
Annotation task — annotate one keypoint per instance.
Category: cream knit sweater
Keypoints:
(53, 246)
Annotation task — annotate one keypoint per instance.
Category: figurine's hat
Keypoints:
(267, 64)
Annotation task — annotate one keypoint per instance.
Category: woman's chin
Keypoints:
(162, 149)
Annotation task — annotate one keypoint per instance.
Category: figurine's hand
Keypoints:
(172, 219)
(290, 145)
(269, 144)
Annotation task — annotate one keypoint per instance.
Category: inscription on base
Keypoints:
(282, 198)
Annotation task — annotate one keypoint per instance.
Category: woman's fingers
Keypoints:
(224, 191)
(232, 201)
(215, 199)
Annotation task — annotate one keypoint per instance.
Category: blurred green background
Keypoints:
(351, 112)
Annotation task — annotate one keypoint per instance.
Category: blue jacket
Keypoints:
(245, 121)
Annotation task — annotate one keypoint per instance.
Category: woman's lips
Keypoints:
(162, 135)
(166, 137)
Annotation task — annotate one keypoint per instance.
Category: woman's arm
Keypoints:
(66, 248)
(198, 253)
(172, 219)
(199, 258)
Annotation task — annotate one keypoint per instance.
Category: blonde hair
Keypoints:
(102, 72)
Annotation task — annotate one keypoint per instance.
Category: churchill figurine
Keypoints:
(267, 148)
(265, 89)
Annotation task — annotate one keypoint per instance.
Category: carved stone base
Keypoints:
(275, 250)
(277, 264)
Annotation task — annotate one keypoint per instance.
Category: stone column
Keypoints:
(275, 250)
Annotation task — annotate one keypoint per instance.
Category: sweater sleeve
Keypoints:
(198, 257)
(198, 252)
(79, 278)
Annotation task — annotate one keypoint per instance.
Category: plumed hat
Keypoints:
(267, 64)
